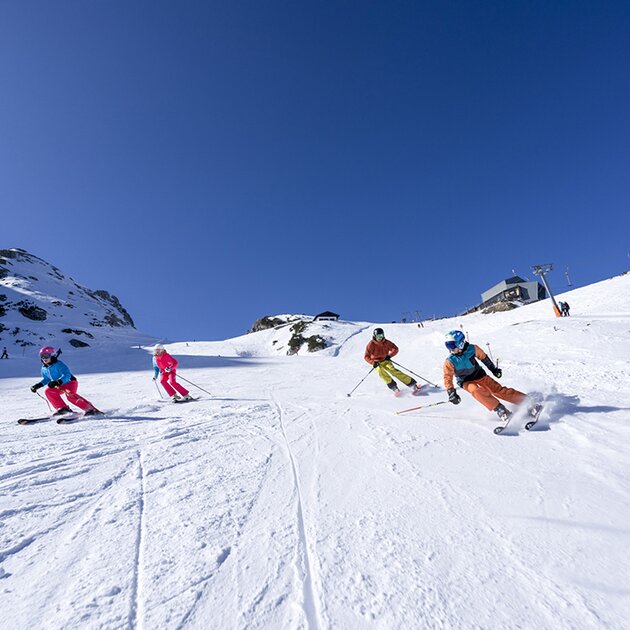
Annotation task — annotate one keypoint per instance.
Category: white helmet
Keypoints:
(158, 348)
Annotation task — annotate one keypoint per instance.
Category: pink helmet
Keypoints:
(48, 350)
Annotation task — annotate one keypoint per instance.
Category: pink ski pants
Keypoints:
(70, 391)
(170, 384)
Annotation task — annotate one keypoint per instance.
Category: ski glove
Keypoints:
(167, 369)
(375, 364)
(35, 387)
(54, 383)
(497, 372)
(453, 396)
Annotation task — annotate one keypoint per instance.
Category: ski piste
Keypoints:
(168, 400)
(533, 413)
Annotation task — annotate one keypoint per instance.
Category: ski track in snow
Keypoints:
(304, 551)
(136, 612)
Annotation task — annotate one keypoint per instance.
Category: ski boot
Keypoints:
(503, 413)
(534, 413)
(62, 412)
(186, 398)
(394, 388)
(534, 410)
(415, 388)
(92, 412)
(175, 398)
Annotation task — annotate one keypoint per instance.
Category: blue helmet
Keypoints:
(455, 340)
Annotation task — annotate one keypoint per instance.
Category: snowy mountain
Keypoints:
(277, 501)
(40, 305)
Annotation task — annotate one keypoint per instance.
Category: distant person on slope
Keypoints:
(462, 364)
(378, 354)
(565, 309)
(167, 366)
(61, 382)
(5, 354)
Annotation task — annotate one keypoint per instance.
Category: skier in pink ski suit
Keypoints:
(168, 366)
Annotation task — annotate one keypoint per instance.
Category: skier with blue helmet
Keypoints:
(462, 364)
(60, 382)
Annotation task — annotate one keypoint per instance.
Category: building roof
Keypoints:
(514, 280)
(327, 314)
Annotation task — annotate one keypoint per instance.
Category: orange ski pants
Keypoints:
(486, 390)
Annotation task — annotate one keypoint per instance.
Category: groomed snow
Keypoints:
(279, 502)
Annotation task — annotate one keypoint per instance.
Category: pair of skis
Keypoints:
(533, 414)
(67, 418)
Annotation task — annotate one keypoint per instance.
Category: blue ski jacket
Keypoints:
(56, 371)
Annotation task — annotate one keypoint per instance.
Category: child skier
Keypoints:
(61, 382)
(462, 364)
(167, 366)
(378, 354)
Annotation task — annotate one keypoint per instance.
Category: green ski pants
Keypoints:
(387, 368)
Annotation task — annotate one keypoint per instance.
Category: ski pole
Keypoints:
(361, 381)
(422, 407)
(193, 384)
(46, 399)
(489, 351)
(418, 375)
(159, 390)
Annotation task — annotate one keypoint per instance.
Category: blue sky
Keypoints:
(210, 163)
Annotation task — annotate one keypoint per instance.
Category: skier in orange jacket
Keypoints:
(462, 364)
(378, 354)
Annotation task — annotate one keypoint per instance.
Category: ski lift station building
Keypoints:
(514, 288)
(326, 316)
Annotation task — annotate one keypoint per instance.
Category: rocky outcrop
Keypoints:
(77, 343)
(76, 331)
(30, 311)
(112, 300)
(266, 322)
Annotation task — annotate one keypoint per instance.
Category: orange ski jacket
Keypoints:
(380, 350)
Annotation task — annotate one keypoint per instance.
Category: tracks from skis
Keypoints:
(136, 612)
(311, 609)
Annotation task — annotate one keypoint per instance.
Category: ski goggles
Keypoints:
(452, 346)
(46, 356)
(379, 337)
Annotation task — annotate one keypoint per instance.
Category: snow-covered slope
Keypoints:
(279, 502)
(40, 305)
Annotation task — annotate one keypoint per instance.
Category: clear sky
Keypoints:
(213, 162)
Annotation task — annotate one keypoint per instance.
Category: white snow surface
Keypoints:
(280, 502)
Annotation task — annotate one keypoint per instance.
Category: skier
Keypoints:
(5, 354)
(565, 309)
(378, 354)
(462, 364)
(167, 366)
(61, 382)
